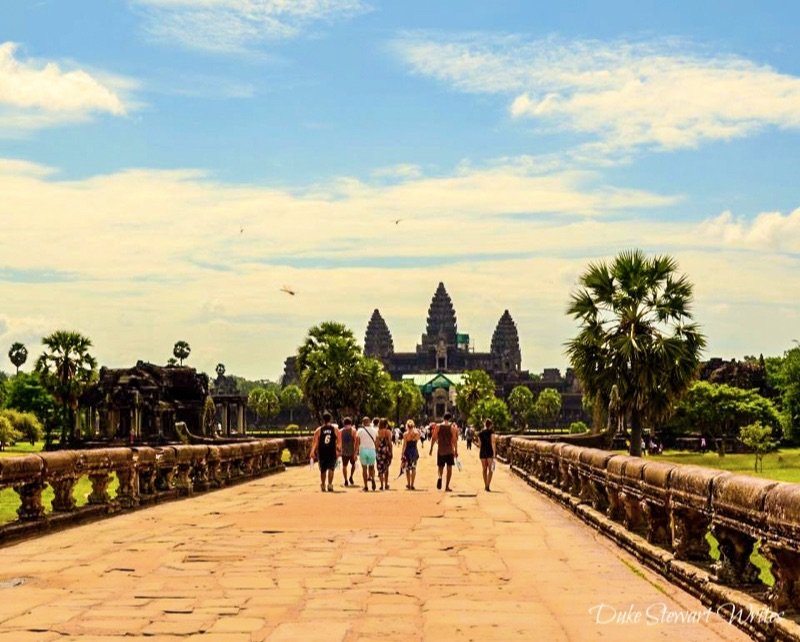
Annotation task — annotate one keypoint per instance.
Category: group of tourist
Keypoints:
(372, 445)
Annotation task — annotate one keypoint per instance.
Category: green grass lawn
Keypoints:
(22, 448)
(783, 465)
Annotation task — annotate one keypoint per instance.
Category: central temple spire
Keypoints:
(441, 318)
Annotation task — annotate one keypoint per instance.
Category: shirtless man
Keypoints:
(326, 449)
(446, 436)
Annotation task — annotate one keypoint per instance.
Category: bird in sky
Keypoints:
(288, 290)
(241, 230)
(397, 221)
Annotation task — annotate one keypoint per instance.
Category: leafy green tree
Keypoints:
(719, 410)
(25, 423)
(328, 367)
(171, 362)
(66, 368)
(635, 332)
(372, 389)
(547, 407)
(291, 398)
(26, 393)
(577, 427)
(407, 400)
(181, 350)
(520, 403)
(8, 435)
(759, 439)
(18, 355)
(264, 402)
(491, 408)
(476, 385)
(790, 391)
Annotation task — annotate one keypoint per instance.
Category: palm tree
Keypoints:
(181, 350)
(18, 355)
(66, 367)
(636, 333)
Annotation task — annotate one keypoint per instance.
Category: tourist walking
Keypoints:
(383, 449)
(469, 435)
(365, 447)
(445, 436)
(411, 440)
(348, 450)
(487, 453)
(326, 449)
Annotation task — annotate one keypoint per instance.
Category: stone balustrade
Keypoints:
(663, 512)
(145, 475)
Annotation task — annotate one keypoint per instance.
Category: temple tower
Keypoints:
(378, 340)
(441, 320)
(505, 344)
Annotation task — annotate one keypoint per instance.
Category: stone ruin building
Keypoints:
(147, 403)
(444, 354)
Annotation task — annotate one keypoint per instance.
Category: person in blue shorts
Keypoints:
(366, 437)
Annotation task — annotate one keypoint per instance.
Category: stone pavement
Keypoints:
(275, 559)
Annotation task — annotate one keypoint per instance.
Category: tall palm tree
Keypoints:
(66, 367)
(181, 350)
(636, 333)
(18, 355)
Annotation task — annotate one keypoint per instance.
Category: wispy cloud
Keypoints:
(35, 94)
(663, 94)
(197, 254)
(234, 26)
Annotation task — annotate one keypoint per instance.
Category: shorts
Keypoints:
(448, 460)
(327, 464)
(348, 458)
(367, 456)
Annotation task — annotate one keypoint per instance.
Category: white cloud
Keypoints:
(233, 26)
(663, 94)
(767, 231)
(36, 94)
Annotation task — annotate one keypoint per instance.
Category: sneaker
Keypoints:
(439, 484)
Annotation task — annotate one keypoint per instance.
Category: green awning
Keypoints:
(427, 383)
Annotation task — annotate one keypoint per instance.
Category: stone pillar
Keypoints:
(226, 428)
(240, 418)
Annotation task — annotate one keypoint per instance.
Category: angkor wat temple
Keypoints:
(443, 348)
(444, 354)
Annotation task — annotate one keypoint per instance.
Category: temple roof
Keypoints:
(441, 317)
(505, 340)
(378, 340)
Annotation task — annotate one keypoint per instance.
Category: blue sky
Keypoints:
(168, 165)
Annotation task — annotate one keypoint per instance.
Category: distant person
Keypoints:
(365, 447)
(383, 450)
(326, 449)
(469, 435)
(703, 445)
(487, 453)
(411, 440)
(445, 436)
(348, 450)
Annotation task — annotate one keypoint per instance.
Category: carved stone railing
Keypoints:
(663, 512)
(145, 475)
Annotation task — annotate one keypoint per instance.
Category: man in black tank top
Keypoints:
(326, 449)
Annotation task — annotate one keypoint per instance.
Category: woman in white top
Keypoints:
(365, 447)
